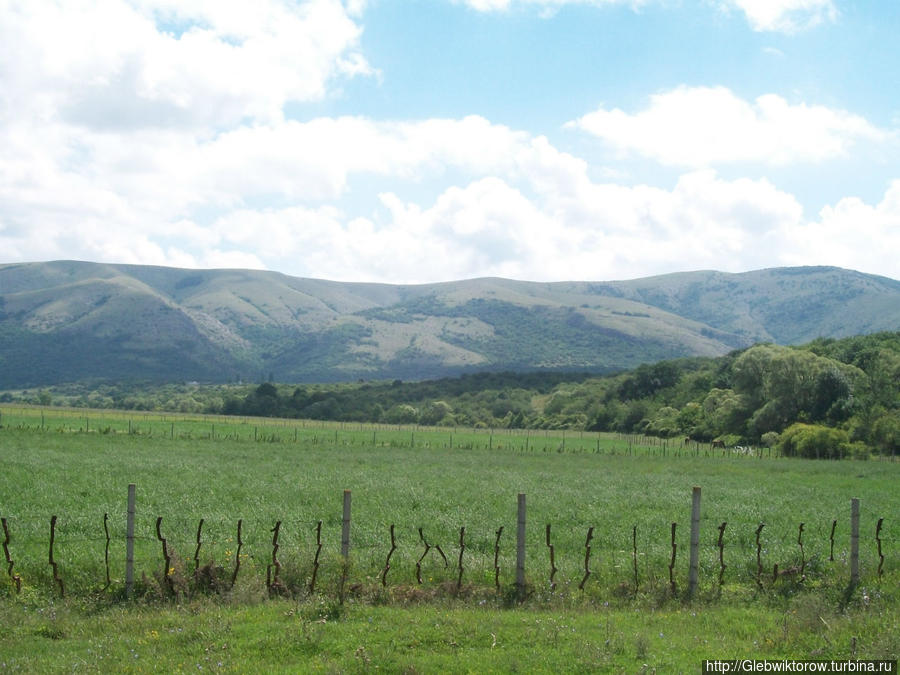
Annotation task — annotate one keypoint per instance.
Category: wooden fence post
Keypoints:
(520, 546)
(553, 568)
(345, 530)
(759, 556)
(387, 563)
(693, 577)
(129, 543)
(237, 553)
(721, 546)
(587, 558)
(833, 526)
(9, 561)
(854, 542)
(315, 570)
(272, 583)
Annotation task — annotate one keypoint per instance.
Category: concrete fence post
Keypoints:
(694, 575)
(854, 542)
(520, 545)
(345, 530)
(129, 543)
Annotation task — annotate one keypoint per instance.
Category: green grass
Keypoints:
(413, 478)
(314, 636)
(81, 476)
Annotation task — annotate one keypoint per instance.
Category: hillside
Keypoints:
(67, 321)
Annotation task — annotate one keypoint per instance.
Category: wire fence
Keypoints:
(79, 553)
(185, 426)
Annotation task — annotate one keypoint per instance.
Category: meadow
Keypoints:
(77, 465)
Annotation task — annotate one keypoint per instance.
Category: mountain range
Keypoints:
(67, 321)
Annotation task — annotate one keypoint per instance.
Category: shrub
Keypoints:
(886, 433)
(814, 441)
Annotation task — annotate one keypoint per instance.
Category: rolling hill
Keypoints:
(67, 321)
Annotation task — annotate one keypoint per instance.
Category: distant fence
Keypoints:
(187, 426)
(765, 576)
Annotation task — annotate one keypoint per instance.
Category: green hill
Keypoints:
(67, 321)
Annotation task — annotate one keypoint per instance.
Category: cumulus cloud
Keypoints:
(515, 206)
(532, 230)
(782, 16)
(152, 131)
(786, 16)
(164, 175)
(545, 219)
(149, 63)
(548, 7)
(851, 234)
(705, 126)
(115, 116)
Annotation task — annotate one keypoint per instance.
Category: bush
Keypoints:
(813, 441)
(886, 434)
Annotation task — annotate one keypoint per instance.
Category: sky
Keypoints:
(417, 141)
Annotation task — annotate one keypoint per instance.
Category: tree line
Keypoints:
(828, 398)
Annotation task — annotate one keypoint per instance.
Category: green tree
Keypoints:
(434, 412)
(781, 385)
(690, 419)
(402, 413)
(723, 411)
(632, 414)
(664, 422)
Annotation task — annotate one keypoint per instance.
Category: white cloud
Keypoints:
(705, 126)
(786, 16)
(535, 230)
(164, 63)
(154, 186)
(514, 206)
(782, 16)
(528, 226)
(152, 131)
(852, 234)
(160, 175)
(548, 7)
(114, 115)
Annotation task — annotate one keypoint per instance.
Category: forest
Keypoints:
(828, 398)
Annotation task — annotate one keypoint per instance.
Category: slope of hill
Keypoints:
(65, 321)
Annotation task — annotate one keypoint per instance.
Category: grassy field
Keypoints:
(280, 636)
(77, 466)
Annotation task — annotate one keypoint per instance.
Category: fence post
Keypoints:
(129, 543)
(854, 542)
(695, 542)
(345, 531)
(520, 546)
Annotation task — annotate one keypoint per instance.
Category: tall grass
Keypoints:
(77, 465)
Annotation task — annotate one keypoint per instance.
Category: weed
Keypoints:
(51, 632)
(641, 647)
(210, 579)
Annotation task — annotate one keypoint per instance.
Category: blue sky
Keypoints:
(411, 141)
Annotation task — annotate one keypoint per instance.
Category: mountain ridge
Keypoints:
(68, 320)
